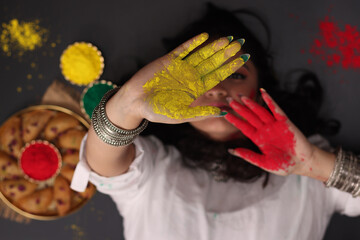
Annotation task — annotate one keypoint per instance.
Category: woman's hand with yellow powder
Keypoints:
(184, 77)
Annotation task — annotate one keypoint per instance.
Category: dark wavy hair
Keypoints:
(301, 103)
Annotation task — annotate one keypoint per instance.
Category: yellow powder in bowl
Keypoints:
(81, 63)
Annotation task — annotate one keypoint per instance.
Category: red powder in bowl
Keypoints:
(40, 161)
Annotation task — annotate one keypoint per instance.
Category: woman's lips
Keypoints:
(225, 108)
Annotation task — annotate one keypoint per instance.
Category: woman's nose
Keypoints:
(217, 91)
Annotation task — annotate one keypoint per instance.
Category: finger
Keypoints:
(260, 111)
(246, 128)
(246, 113)
(275, 109)
(218, 58)
(248, 155)
(207, 51)
(220, 74)
(184, 49)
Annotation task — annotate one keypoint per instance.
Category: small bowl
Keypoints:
(40, 161)
(92, 95)
(73, 71)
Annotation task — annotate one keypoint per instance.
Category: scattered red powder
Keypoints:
(337, 47)
(271, 135)
(39, 161)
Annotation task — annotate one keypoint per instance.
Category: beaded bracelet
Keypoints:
(107, 131)
(346, 173)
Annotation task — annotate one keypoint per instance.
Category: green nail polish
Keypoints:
(245, 57)
(223, 114)
(241, 41)
(230, 38)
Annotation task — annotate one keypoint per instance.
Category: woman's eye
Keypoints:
(237, 76)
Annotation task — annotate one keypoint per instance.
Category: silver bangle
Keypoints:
(346, 173)
(107, 131)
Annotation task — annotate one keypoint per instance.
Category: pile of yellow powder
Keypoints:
(19, 37)
(81, 63)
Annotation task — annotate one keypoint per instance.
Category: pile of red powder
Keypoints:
(40, 161)
(337, 47)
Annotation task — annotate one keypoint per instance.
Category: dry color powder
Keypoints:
(18, 37)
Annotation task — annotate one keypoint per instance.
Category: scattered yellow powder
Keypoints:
(32, 65)
(81, 63)
(53, 44)
(19, 89)
(171, 91)
(29, 76)
(19, 37)
(77, 231)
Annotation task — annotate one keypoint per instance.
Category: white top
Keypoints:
(159, 199)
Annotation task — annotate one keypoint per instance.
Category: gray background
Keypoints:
(131, 31)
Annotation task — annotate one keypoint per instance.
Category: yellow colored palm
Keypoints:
(185, 77)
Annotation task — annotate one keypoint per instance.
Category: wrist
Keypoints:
(121, 112)
(107, 131)
(321, 164)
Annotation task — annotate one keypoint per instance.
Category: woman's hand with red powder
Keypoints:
(285, 150)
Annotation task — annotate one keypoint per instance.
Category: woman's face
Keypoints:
(244, 82)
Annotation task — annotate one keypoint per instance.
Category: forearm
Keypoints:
(103, 158)
(107, 160)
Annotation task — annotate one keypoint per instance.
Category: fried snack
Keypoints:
(9, 168)
(71, 157)
(62, 195)
(17, 189)
(71, 139)
(67, 172)
(37, 202)
(89, 191)
(76, 199)
(34, 122)
(10, 136)
(58, 124)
